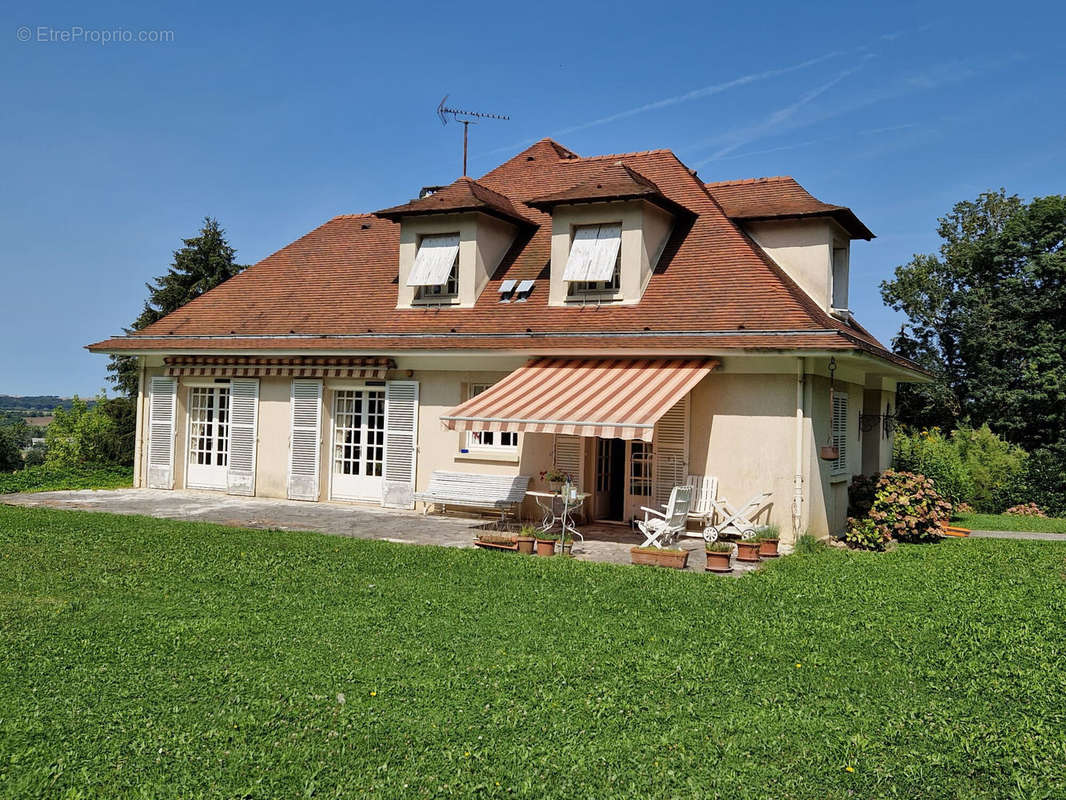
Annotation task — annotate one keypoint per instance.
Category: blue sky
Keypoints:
(274, 117)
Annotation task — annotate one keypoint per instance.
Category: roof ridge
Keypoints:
(618, 155)
(357, 215)
(739, 181)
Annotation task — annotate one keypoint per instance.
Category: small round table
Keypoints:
(564, 518)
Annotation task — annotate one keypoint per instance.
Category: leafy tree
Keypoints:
(988, 317)
(201, 264)
(122, 411)
(80, 435)
(10, 457)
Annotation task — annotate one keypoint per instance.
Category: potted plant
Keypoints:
(566, 543)
(497, 541)
(768, 536)
(555, 478)
(546, 542)
(673, 557)
(525, 539)
(747, 550)
(718, 557)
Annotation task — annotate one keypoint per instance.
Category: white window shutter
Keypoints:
(568, 457)
(434, 259)
(840, 431)
(305, 402)
(401, 443)
(243, 421)
(162, 408)
(670, 450)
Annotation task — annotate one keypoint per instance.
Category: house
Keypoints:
(612, 315)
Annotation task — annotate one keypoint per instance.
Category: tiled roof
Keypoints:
(335, 287)
(780, 197)
(612, 182)
(462, 195)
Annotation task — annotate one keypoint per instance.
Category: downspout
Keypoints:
(138, 448)
(797, 478)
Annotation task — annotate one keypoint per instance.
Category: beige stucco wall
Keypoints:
(804, 249)
(742, 430)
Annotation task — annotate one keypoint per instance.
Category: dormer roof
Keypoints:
(613, 181)
(464, 195)
(781, 197)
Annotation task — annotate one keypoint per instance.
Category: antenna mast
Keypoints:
(465, 117)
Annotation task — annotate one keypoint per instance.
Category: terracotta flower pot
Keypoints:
(545, 547)
(675, 559)
(718, 561)
(829, 452)
(768, 548)
(525, 545)
(747, 551)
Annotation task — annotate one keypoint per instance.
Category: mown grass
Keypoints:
(151, 658)
(1010, 522)
(43, 478)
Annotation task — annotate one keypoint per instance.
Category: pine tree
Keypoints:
(201, 264)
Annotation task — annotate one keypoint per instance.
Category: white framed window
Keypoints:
(594, 266)
(840, 277)
(444, 292)
(840, 433)
(640, 464)
(505, 441)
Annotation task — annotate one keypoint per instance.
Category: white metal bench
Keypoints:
(501, 493)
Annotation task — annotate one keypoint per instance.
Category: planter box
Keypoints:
(545, 547)
(676, 559)
(525, 545)
(747, 551)
(768, 548)
(497, 543)
(718, 562)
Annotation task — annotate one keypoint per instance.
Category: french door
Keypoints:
(358, 444)
(623, 481)
(209, 434)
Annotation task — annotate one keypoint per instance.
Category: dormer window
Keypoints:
(435, 272)
(599, 290)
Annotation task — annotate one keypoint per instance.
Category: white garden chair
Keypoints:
(663, 528)
(738, 521)
(704, 493)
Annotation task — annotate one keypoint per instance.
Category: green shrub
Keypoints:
(908, 507)
(1044, 482)
(808, 544)
(719, 547)
(768, 533)
(930, 454)
(81, 435)
(994, 467)
(864, 534)
(44, 478)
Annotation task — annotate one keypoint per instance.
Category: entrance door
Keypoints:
(208, 437)
(610, 480)
(358, 444)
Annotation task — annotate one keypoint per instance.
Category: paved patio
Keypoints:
(407, 527)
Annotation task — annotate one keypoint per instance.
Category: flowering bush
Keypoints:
(864, 534)
(963, 508)
(907, 507)
(555, 475)
(1026, 510)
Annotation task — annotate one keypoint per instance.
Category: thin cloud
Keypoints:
(743, 136)
(666, 102)
(808, 143)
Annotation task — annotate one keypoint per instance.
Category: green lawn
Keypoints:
(149, 658)
(1010, 522)
(52, 479)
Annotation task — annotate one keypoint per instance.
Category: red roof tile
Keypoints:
(780, 197)
(335, 287)
(462, 195)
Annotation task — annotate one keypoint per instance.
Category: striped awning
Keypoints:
(607, 397)
(260, 367)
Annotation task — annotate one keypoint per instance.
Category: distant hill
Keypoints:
(34, 402)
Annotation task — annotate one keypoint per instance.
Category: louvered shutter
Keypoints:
(840, 431)
(304, 437)
(162, 408)
(568, 456)
(401, 444)
(243, 419)
(670, 451)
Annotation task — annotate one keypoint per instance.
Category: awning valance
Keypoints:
(613, 398)
(260, 367)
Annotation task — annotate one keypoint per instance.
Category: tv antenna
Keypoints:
(465, 117)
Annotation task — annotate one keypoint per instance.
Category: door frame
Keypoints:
(192, 386)
(332, 405)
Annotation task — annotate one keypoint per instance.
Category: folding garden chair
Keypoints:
(737, 520)
(663, 528)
